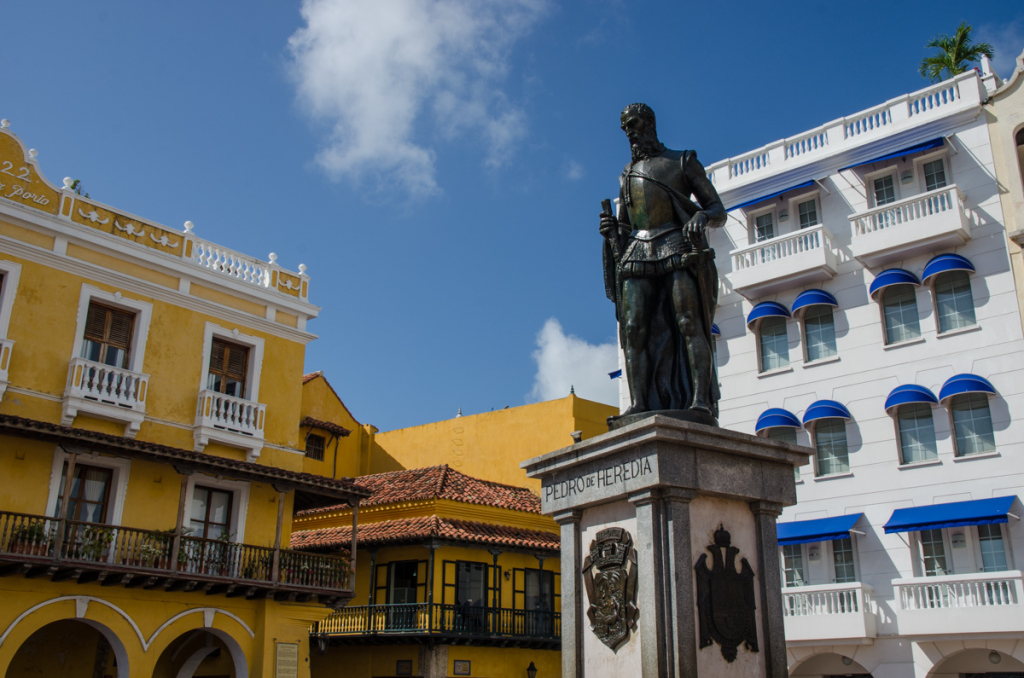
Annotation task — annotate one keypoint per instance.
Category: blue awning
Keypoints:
(812, 298)
(892, 276)
(822, 529)
(965, 383)
(946, 262)
(715, 332)
(917, 148)
(954, 514)
(826, 409)
(909, 393)
(770, 196)
(776, 416)
(767, 309)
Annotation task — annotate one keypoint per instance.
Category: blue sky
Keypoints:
(439, 164)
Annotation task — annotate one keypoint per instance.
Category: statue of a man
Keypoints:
(660, 272)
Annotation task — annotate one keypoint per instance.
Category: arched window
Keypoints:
(899, 304)
(774, 343)
(916, 433)
(954, 302)
(830, 442)
(787, 435)
(819, 332)
(972, 424)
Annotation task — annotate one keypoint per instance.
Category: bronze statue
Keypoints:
(660, 272)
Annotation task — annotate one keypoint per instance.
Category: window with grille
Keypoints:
(954, 301)
(993, 554)
(885, 190)
(934, 175)
(808, 213)
(933, 553)
(315, 446)
(899, 304)
(764, 229)
(108, 335)
(819, 332)
(972, 424)
(917, 433)
(774, 343)
(830, 442)
(229, 365)
(842, 560)
(793, 565)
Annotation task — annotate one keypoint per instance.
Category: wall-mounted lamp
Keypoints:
(814, 553)
(906, 177)
(508, 574)
(995, 657)
(531, 671)
(321, 643)
(783, 216)
(958, 540)
(847, 661)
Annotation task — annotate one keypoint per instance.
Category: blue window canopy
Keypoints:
(946, 262)
(715, 332)
(965, 383)
(917, 148)
(776, 416)
(767, 309)
(954, 514)
(813, 298)
(770, 196)
(822, 529)
(907, 394)
(826, 409)
(892, 276)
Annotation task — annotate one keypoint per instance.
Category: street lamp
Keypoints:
(531, 671)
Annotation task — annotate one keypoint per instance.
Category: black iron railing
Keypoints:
(427, 618)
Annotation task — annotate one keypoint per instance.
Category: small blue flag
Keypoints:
(616, 373)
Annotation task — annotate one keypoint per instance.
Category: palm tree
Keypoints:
(956, 53)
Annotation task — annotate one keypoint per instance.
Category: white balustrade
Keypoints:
(797, 258)
(905, 212)
(782, 247)
(961, 92)
(829, 612)
(228, 413)
(231, 263)
(825, 600)
(985, 590)
(105, 384)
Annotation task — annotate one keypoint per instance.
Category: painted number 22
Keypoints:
(22, 171)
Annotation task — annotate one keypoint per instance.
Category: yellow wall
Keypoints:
(320, 402)
(491, 445)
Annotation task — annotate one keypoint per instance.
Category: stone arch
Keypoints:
(187, 651)
(113, 623)
(226, 627)
(830, 661)
(980, 656)
(64, 638)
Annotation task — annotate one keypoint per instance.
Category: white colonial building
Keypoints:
(868, 310)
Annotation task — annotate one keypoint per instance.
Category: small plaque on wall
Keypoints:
(461, 668)
(287, 665)
(403, 667)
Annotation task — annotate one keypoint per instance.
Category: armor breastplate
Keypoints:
(649, 205)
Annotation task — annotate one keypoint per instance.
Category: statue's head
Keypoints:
(639, 125)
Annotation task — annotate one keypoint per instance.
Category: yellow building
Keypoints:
(457, 576)
(458, 572)
(149, 482)
(1005, 113)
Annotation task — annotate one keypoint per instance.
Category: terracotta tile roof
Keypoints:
(306, 378)
(442, 482)
(424, 528)
(326, 426)
(209, 463)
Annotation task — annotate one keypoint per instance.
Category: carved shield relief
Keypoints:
(725, 598)
(609, 575)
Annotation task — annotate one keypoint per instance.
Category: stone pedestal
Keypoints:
(671, 485)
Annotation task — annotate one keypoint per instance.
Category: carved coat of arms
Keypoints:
(609, 574)
(725, 598)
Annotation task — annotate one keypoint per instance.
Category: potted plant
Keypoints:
(29, 539)
(95, 544)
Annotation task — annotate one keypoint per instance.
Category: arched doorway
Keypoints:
(978, 663)
(829, 665)
(70, 648)
(203, 653)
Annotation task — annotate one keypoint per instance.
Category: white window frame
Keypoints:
(255, 367)
(757, 333)
(935, 305)
(1007, 551)
(239, 502)
(919, 163)
(802, 320)
(794, 208)
(869, 184)
(817, 458)
(879, 299)
(752, 223)
(830, 550)
(8, 289)
(803, 563)
(957, 454)
(918, 548)
(120, 466)
(142, 310)
(895, 416)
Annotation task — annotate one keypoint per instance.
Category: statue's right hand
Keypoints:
(609, 226)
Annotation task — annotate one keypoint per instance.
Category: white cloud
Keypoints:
(573, 171)
(567, 361)
(385, 74)
(1007, 42)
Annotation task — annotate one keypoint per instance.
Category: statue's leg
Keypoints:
(686, 303)
(638, 296)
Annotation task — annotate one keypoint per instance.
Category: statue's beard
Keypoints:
(647, 147)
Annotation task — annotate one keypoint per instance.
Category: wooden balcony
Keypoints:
(428, 622)
(106, 392)
(39, 546)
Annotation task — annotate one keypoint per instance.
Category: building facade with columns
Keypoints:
(868, 310)
(151, 446)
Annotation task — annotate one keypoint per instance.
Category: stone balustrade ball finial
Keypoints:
(189, 226)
